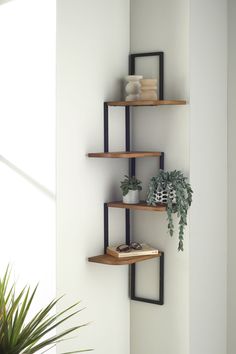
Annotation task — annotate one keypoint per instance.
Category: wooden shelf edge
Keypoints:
(140, 206)
(125, 154)
(147, 103)
(109, 260)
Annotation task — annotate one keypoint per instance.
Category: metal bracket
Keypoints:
(132, 58)
(160, 300)
(132, 171)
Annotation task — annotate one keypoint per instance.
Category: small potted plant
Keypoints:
(130, 187)
(172, 189)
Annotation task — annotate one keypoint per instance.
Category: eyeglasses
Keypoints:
(128, 248)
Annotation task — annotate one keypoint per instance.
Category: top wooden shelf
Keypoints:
(147, 103)
(125, 154)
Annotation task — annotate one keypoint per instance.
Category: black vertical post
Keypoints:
(161, 280)
(161, 76)
(132, 169)
(127, 148)
(132, 281)
(106, 228)
(127, 128)
(132, 173)
(127, 226)
(131, 64)
(106, 128)
(162, 158)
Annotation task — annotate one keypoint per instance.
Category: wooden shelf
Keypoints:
(140, 206)
(125, 154)
(147, 103)
(107, 259)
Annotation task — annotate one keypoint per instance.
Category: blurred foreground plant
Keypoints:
(18, 335)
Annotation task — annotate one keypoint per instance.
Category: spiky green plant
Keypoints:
(18, 335)
(169, 182)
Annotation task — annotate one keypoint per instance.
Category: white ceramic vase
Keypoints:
(132, 87)
(132, 197)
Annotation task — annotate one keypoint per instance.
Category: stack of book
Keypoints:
(148, 89)
(145, 251)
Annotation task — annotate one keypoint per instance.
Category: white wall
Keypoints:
(162, 25)
(27, 144)
(202, 31)
(231, 176)
(93, 43)
(208, 171)
(92, 57)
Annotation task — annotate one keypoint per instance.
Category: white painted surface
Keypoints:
(100, 43)
(27, 143)
(92, 57)
(231, 176)
(161, 25)
(168, 29)
(208, 171)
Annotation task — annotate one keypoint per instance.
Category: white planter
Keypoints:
(132, 197)
(160, 196)
(133, 87)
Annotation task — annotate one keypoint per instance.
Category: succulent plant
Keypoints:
(130, 183)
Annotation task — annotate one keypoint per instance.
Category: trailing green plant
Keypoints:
(174, 184)
(18, 335)
(130, 184)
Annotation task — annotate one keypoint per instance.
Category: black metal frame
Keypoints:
(132, 58)
(132, 168)
(160, 300)
(106, 128)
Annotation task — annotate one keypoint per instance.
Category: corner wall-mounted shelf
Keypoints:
(139, 206)
(110, 260)
(125, 154)
(131, 156)
(146, 103)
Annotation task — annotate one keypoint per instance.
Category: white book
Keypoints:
(145, 251)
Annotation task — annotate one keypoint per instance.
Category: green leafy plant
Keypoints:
(18, 335)
(130, 184)
(173, 183)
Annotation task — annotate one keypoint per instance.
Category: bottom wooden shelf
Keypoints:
(107, 259)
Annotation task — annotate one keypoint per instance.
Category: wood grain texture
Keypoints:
(107, 259)
(140, 206)
(147, 103)
(124, 154)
